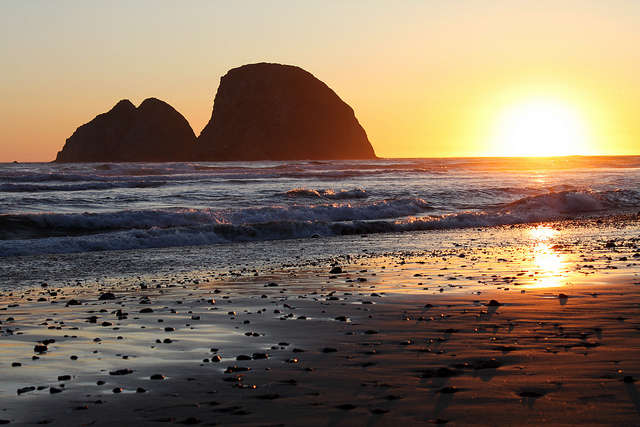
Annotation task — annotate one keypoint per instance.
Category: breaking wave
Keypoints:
(31, 234)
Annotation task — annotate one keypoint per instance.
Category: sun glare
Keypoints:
(541, 127)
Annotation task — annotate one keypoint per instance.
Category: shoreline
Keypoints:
(399, 337)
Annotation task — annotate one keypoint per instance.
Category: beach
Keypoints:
(512, 325)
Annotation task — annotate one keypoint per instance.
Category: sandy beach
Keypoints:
(498, 326)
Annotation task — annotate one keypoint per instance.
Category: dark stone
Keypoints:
(107, 296)
(153, 132)
(25, 390)
(336, 270)
(121, 372)
(40, 348)
(346, 406)
(268, 396)
(488, 364)
(280, 112)
(157, 377)
(493, 303)
(530, 393)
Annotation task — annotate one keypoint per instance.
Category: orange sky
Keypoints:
(425, 78)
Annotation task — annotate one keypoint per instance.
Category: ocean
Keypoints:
(51, 208)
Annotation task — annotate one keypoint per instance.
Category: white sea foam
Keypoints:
(53, 208)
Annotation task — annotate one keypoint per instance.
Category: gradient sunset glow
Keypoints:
(425, 78)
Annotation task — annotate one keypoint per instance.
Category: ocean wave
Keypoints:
(30, 234)
(84, 186)
(329, 194)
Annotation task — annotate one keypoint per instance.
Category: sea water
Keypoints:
(52, 208)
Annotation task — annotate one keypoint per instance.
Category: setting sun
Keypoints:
(541, 127)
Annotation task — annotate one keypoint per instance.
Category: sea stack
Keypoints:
(153, 132)
(280, 112)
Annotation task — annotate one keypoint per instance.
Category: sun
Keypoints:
(540, 126)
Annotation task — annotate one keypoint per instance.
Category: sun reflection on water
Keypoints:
(546, 259)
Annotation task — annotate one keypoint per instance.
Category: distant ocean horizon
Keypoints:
(53, 208)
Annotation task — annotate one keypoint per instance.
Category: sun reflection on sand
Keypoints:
(550, 263)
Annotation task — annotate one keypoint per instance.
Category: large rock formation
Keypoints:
(153, 132)
(280, 112)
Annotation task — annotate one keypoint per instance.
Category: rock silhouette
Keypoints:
(153, 132)
(280, 112)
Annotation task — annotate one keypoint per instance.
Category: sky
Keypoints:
(425, 78)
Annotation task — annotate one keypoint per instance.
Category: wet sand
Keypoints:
(477, 332)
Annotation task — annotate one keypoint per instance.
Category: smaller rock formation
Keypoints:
(153, 132)
(280, 112)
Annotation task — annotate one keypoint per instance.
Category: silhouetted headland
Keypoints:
(153, 132)
(280, 112)
(261, 112)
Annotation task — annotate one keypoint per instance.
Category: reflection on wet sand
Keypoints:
(546, 257)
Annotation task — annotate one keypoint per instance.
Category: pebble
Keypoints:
(121, 372)
(346, 406)
(40, 348)
(530, 393)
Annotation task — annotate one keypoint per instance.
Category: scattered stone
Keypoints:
(107, 296)
(488, 364)
(156, 377)
(268, 396)
(530, 393)
(40, 348)
(121, 372)
(25, 390)
(346, 406)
